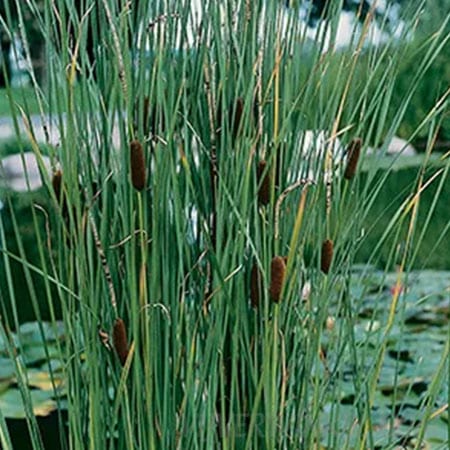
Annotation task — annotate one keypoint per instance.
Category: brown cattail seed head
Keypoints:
(120, 340)
(57, 184)
(137, 162)
(326, 256)
(255, 286)
(354, 152)
(277, 273)
(264, 178)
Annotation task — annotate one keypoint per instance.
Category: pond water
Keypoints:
(49, 427)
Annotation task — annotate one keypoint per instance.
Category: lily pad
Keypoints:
(33, 354)
(437, 433)
(4, 385)
(33, 333)
(42, 380)
(7, 369)
(12, 406)
(4, 344)
(53, 365)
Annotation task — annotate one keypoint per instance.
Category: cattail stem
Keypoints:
(213, 174)
(104, 262)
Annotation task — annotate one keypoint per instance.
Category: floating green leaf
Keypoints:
(11, 403)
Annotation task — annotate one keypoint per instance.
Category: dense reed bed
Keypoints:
(181, 178)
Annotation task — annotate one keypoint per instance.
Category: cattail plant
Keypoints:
(264, 178)
(326, 255)
(137, 161)
(234, 362)
(255, 285)
(120, 341)
(277, 273)
(353, 153)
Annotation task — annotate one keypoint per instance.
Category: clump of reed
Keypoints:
(212, 362)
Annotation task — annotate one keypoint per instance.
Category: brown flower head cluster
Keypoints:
(326, 256)
(353, 154)
(277, 274)
(120, 340)
(137, 164)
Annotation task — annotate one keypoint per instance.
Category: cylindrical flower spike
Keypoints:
(277, 273)
(264, 182)
(255, 286)
(354, 152)
(57, 184)
(120, 340)
(326, 256)
(137, 163)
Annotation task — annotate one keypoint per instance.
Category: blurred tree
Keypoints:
(8, 14)
(72, 11)
(321, 9)
(434, 85)
(5, 46)
(315, 11)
